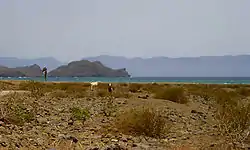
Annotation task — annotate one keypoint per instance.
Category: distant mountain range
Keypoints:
(12, 62)
(83, 68)
(26, 71)
(204, 66)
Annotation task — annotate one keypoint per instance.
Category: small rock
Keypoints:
(200, 113)
(124, 139)
(61, 136)
(130, 138)
(114, 140)
(134, 145)
(185, 138)
(172, 139)
(108, 136)
(4, 144)
(75, 140)
(193, 111)
(71, 122)
(42, 120)
(1, 123)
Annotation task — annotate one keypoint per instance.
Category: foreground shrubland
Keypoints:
(43, 115)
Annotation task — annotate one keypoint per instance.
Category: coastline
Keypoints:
(160, 83)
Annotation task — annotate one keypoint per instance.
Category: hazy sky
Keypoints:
(72, 29)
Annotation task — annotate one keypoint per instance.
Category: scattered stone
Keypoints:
(124, 139)
(143, 97)
(1, 123)
(114, 140)
(61, 136)
(4, 144)
(115, 147)
(193, 111)
(42, 120)
(71, 122)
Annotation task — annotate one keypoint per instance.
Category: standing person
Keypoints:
(45, 73)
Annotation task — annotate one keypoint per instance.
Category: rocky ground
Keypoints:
(65, 116)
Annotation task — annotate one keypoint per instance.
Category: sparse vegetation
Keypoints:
(15, 112)
(79, 113)
(35, 116)
(243, 91)
(143, 121)
(135, 87)
(174, 94)
(234, 118)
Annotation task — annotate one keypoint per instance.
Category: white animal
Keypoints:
(93, 84)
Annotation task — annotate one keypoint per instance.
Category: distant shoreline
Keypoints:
(82, 82)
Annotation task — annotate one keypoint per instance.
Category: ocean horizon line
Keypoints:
(204, 80)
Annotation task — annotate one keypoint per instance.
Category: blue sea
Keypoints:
(206, 80)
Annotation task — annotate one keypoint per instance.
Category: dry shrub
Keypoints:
(102, 86)
(123, 84)
(66, 145)
(16, 111)
(233, 119)
(79, 113)
(182, 148)
(37, 89)
(71, 86)
(121, 92)
(145, 121)
(233, 115)
(4, 85)
(102, 93)
(222, 97)
(243, 91)
(75, 90)
(174, 94)
(76, 93)
(59, 94)
(152, 87)
(221, 146)
(118, 92)
(135, 87)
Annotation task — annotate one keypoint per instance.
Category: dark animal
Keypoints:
(110, 89)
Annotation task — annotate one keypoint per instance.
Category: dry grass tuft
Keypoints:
(152, 88)
(79, 113)
(243, 91)
(6, 85)
(174, 94)
(233, 119)
(37, 89)
(135, 87)
(15, 111)
(143, 121)
(120, 92)
(102, 93)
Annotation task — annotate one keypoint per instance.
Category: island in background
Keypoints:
(81, 68)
